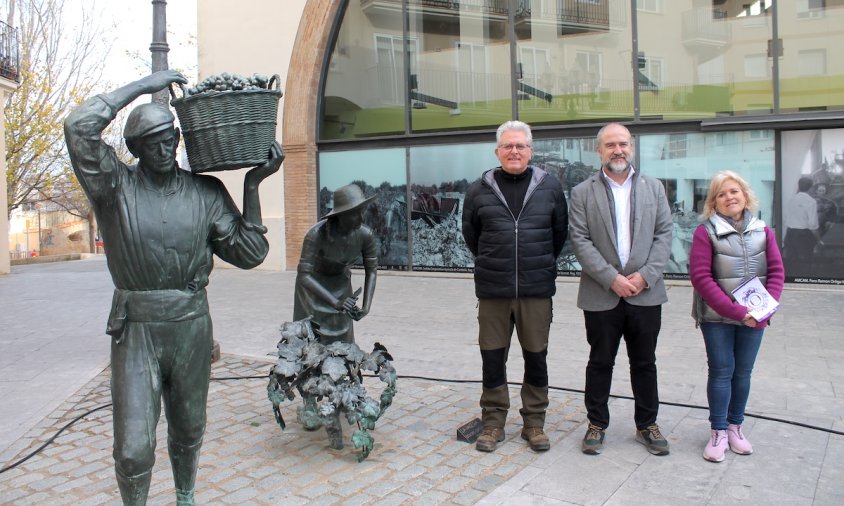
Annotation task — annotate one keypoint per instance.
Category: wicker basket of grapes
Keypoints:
(228, 121)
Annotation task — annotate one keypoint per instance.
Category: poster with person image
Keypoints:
(813, 205)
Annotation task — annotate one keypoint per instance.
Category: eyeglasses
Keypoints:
(518, 147)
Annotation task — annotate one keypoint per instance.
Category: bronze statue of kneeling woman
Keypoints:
(324, 281)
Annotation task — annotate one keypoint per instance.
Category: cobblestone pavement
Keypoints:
(54, 359)
(247, 459)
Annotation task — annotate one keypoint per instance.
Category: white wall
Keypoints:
(6, 87)
(245, 38)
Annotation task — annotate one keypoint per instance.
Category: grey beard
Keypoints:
(616, 169)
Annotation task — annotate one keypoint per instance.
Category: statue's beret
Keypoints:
(147, 119)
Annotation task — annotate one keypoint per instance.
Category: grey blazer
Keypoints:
(592, 235)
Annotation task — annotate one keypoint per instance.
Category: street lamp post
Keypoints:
(159, 48)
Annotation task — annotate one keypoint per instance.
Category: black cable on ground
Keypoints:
(425, 378)
(47, 443)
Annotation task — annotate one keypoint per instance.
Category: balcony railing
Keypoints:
(9, 53)
(705, 27)
(572, 13)
(497, 7)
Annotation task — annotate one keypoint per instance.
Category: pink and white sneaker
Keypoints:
(716, 448)
(738, 443)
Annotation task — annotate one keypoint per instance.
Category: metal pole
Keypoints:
(159, 48)
(40, 245)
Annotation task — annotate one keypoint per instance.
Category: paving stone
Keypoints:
(433, 498)
(468, 496)
(316, 491)
(240, 496)
(455, 484)
(350, 488)
(247, 459)
(98, 500)
(48, 483)
(61, 468)
(326, 500)
(235, 483)
(488, 483)
(418, 487)
(7, 496)
(393, 499)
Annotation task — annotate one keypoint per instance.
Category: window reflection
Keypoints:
(810, 78)
(573, 60)
(701, 59)
(461, 76)
(365, 81)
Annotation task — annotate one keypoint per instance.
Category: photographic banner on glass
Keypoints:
(380, 173)
(439, 179)
(813, 205)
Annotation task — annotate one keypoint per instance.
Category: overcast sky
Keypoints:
(132, 35)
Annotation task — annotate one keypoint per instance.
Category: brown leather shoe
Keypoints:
(536, 438)
(489, 439)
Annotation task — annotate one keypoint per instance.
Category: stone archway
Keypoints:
(300, 123)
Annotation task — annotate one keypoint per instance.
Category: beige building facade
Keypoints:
(285, 38)
(403, 96)
(6, 87)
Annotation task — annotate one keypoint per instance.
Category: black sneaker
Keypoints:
(653, 440)
(593, 441)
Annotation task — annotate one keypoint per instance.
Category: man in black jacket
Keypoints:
(515, 222)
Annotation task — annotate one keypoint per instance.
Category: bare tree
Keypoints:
(59, 68)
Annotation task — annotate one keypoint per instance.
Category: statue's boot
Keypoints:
(135, 489)
(184, 460)
(335, 432)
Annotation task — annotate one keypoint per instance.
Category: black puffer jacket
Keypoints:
(515, 256)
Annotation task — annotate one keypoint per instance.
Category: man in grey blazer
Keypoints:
(620, 227)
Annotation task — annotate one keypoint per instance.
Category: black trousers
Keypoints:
(639, 325)
(799, 251)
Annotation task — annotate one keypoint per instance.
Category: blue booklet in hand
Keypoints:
(753, 295)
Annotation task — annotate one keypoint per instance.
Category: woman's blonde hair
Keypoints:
(715, 184)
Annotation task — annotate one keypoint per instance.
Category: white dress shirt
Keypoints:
(621, 197)
(801, 212)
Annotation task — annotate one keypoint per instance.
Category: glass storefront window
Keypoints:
(420, 190)
(365, 83)
(379, 172)
(573, 61)
(702, 59)
(811, 76)
(459, 64)
(685, 162)
(576, 61)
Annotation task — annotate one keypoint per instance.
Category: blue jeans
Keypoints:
(731, 351)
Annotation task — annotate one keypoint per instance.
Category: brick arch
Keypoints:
(299, 122)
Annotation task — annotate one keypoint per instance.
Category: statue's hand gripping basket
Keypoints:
(231, 126)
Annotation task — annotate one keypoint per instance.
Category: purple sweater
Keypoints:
(700, 273)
